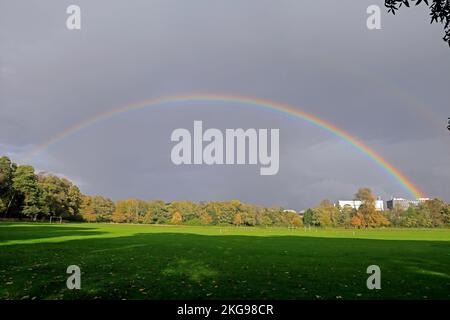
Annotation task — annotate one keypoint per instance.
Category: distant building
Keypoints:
(404, 203)
(355, 204)
(289, 211)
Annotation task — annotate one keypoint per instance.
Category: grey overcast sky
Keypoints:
(389, 88)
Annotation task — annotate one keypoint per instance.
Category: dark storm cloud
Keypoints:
(388, 87)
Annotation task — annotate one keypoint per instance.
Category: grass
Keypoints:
(170, 262)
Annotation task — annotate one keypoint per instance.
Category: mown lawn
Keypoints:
(169, 262)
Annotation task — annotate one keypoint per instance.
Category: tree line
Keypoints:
(23, 193)
(428, 214)
(38, 196)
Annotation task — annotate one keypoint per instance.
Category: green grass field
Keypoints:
(169, 262)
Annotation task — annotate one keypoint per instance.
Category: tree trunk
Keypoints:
(9, 204)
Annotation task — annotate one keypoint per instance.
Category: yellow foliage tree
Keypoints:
(205, 218)
(376, 219)
(177, 218)
(237, 219)
(89, 217)
(296, 220)
(118, 217)
(357, 221)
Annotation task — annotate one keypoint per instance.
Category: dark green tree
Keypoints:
(439, 11)
(28, 191)
(311, 218)
(61, 196)
(157, 212)
(7, 169)
(344, 216)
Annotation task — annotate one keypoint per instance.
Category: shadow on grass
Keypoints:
(14, 231)
(190, 266)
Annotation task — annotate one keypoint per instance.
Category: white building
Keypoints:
(404, 203)
(355, 204)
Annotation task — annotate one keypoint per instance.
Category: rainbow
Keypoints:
(246, 101)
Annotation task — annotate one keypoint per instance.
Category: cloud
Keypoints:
(319, 58)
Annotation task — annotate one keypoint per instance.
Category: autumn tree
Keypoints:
(188, 209)
(227, 211)
(89, 217)
(367, 213)
(370, 217)
(133, 210)
(249, 215)
(237, 220)
(295, 220)
(118, 217)
(205, 218)
(177, 218)
(365, 196)
(357, 220)
(97, 208)
(326, 213)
